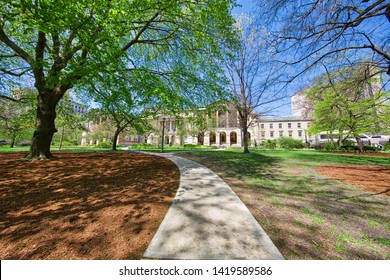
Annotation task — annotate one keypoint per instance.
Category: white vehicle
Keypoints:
(379, 140)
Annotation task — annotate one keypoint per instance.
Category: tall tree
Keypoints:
(306, 33)
(16, 115)
(252, 76)
(350, 100)
(59, 43)
(124, 101)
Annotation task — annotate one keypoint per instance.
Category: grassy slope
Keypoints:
(307, 215)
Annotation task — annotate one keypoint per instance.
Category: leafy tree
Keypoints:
(16, 115)
(99, 126)
(350, 100)
(124, 104)
(61, 43)
(200, 121)
(289, 143)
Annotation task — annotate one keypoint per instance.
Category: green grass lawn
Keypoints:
(306, 214)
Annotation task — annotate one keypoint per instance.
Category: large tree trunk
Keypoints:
(201, 138)
(116, 134)
(44, 126)
(245, 138)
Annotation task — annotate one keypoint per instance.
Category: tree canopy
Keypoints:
(305, 34)
(57, 45)
(350, 101)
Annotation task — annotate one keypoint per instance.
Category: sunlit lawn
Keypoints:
(306, 214)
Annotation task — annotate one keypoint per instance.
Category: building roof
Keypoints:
(281, 118)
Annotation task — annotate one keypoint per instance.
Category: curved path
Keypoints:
(208, 221)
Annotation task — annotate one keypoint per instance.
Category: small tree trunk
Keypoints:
(245, 133)
(13, 139)
(359, 144)
(61, 138)
(44, 126)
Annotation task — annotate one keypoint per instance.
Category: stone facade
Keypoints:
(227, 132)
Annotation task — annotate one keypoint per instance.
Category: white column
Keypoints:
(207, 139)
(239, 138)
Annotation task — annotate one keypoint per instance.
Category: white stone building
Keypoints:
(227, 132)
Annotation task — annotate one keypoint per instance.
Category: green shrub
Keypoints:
(330, 146)
(290, 143)
(317, 147)
(348, 143)
(386, 147)
(270, 144)
(346, 148)
(370, 148)
(105, 145)
(190, 146)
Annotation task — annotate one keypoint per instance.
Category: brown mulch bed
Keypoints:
(83, 206)
(385, 155)
(375, 179)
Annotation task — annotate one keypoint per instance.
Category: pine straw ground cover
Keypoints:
(307, 214)
(83, 206)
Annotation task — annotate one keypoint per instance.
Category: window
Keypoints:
(262, 126)
(290, 134)
(280, 125)
(300, 133)
(271, 134)
(262, 134)
(299, 125)
(289, 125)
(281, 133)
(271, 125)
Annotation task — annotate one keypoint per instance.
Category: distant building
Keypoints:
(227, 132)
(270, 128)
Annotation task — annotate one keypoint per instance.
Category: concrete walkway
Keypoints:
(208, 221)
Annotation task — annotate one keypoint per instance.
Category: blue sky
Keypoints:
(246, 6)
(282, 108)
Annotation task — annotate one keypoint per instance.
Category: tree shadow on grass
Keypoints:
(304, 212)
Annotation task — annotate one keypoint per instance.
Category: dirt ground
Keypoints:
(375, 179)
(385, 155)
(83, 206)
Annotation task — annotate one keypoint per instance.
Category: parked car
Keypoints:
(379, 140)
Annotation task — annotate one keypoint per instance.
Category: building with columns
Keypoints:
(226, 131)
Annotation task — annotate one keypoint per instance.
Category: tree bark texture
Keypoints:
(245, 132)
(116, 135)
(359, 144)
(44, 126)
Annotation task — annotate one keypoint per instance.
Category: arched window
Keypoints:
(233, 138)
(222, 138)
(213, 138)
